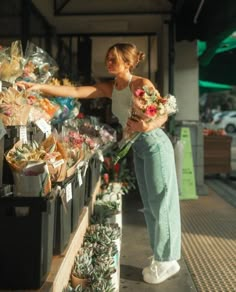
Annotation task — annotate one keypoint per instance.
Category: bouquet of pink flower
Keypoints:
(147, 105)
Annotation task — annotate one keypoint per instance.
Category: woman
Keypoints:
(153, 157)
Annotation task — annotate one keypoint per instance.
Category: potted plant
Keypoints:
(106, 206)
(82, 268)
(102, 285)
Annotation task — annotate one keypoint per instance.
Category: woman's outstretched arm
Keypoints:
(98, 90)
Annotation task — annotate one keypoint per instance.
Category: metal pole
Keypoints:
(171, 62)
(171, 40)
(25, 22)
(149, 57)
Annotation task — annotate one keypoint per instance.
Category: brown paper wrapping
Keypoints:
(58, 173)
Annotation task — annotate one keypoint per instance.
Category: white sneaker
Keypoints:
(147, 269)
(161, 271)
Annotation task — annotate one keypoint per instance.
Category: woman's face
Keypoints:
(114, 65)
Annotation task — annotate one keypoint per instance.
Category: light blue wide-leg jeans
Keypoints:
(156, 176)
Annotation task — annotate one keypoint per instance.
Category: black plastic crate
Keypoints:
(94, 172)
(63, 216)
(79, 194)
(88, 176)
(26, 245)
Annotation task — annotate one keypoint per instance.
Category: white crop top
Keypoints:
(121, 103)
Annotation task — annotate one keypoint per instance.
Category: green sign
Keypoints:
(188, 185)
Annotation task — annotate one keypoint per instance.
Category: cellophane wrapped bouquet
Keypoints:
(147, 105)
(11, 62)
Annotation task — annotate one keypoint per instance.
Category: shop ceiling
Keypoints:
(105, 17)
(208, 20)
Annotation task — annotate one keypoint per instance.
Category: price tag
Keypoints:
(23, 134)
(68, 192)
(85, 169)
(80, 164)
(79, 176)
(0, 86)
(2, 130)
(44, 126)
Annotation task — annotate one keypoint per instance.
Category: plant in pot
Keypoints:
(104, 209)
(82, 268)
(102, 285)
(112, 231)
(103, 268)
(104, 235)
(79, 288)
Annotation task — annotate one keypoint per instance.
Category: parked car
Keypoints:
(226, 121)
(216, 116)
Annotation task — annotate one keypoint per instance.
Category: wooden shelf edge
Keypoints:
(59, 277)
(62, 264)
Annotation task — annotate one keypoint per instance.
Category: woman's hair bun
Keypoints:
(141, 56)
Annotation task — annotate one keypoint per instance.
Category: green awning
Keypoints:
(214, 85)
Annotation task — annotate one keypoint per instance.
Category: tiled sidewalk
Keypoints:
(135, 252)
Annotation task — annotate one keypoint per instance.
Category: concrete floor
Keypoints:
(135, 248)
(135, 251)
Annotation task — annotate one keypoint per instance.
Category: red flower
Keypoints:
(117, 168)
(139, 92)
(151, 110)
(107, 162)
(80, 116)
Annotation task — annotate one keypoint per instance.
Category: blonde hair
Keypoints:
(126, 52)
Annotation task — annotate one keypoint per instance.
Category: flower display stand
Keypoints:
(217, 154)
(60, 270)
(117, 218)
(1, 159)
(61, 265)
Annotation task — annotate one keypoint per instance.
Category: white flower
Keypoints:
(171, 105)
(162, 109)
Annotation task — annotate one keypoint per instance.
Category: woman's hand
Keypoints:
(30, 86)
(159, 122)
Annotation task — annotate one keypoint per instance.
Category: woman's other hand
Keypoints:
(136, 126)
(142, 126)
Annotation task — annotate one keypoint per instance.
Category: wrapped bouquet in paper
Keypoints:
(41, 107)
(30, 172)
(68, 107)
(38, 65)
(74, 142)
(147, 105)
(56, 158)
(11, 62)
(14, 108)
(17, 108)
(81, 131)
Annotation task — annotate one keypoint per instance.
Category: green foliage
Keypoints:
(119, 172)
(95, 259)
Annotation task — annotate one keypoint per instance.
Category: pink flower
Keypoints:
(163, 100)
(139, 92)
(151, 110)
(106, 178)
